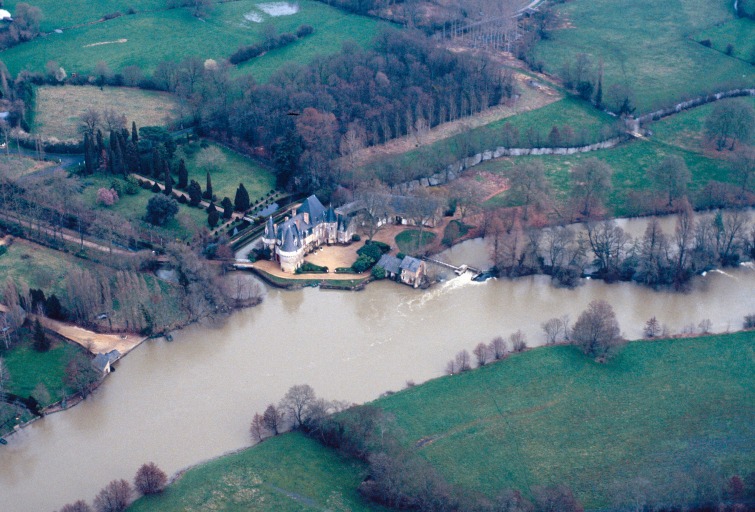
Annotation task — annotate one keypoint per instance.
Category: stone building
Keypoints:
(310, 226)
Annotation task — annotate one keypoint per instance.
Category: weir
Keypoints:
(458, 270)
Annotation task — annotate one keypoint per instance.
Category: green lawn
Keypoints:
(257, 180)
(587, 123)
(183, 35)
(56, 14)
(647, 45)
(681, 135)
(285, 473)
(134, 207)
(28, 368)
(552, 416)
(412, 241)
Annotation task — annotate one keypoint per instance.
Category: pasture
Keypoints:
(648, 45)
(282, 474)
(58, 109)
(130, 40)
(681, 135)
(13, 166)
(659, 410)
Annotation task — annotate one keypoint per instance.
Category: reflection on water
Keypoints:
(181, 402)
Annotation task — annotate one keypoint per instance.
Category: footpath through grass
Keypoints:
(659, 410)
(282, 474)
(648, 45)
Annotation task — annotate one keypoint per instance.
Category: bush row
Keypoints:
(245, 53)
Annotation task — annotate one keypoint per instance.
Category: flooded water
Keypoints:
(182, 402)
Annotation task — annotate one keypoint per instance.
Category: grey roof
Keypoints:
(290, 237)
(100, 361)
(389, 263)
(270, 228)
(410, 264)
(314, 208)
(330, 215)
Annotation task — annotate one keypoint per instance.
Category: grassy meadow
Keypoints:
(28, 368)
(58, 109)
(659, 410)
(282, 474)
(740, 33)
(411, 241)
(650, 46)
(130, 40)
(235, 169)
(587, 123)
(681, 135)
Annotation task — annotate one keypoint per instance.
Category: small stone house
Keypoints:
(410, 271)
(102, 362)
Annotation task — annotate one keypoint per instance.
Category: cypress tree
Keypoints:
(183, 175)
(227, 205)
(212, 215)
(241, 202)
(134, 133)
(53, 308)
(195, 193)
(168, 180)
(89, 155)
(157, 164)
(41, 343)
(100, 142)
(208, 190)
(599, 94)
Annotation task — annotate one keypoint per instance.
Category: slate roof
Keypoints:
(389, 263)
(291, 238)
(101, 361)
(270, 228)
(410, 264)
(314, 208)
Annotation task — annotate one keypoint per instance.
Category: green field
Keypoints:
(62, 15)
(28, 367)
(587, 123)
(38, 266)
(236, 169)
(183, 35)
(681, 135)
(740, 33)
(412, 241)
(285, 473)
(650, 46)
(58, 110)
(552, 416)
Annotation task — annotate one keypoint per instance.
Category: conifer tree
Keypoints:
(241, 202)
(134, 133)
(195, 193)
(212, 215)
(227, 205)
(41, 343)
(183, 175)
(168, 180)
(208, 189)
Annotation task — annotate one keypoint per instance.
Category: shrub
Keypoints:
(371, 250)
(107, 197)
(355, 238)
(362, 263)
(378, 272)
(748, 324)
(311, 268)
(182, 199)
(706, 42)
(155, 188)
(130, 186)
(3, 250)
(304, 31)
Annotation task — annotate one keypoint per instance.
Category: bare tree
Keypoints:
(591, 180)
(497, 348)
(670, 177)
(557, 498)
(150, 479)
(608, 242)
(77, 506)
(555, 330)
(297, 401)
(466, 195)
(597, 331)
(482, 354)
(115, 497)
(512, 501)
(529, 185)
(375, 200)
(462, 362)
(652, 328)
(518, 341)
(80, 374)
(90, 120)
(705, 326)
(114, 121)
(273, 419)
(257, 428)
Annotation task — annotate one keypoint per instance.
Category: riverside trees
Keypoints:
(596, 332)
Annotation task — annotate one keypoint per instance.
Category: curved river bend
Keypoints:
(182, 402)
